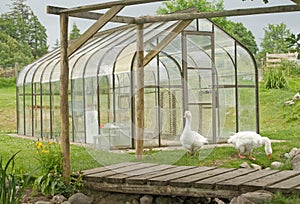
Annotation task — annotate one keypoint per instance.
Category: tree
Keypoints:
(274, 39)
(75, 32)
(12, 52)
(293, 42)
(22, 25)
(236, 29)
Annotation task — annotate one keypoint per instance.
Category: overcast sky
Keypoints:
(255, 23)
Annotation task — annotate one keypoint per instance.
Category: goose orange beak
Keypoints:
(269, 156)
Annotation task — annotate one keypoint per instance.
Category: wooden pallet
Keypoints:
(147, 178)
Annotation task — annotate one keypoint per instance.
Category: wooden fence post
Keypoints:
(64, 81)
(139, 118)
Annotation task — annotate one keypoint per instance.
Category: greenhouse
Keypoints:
(202, 69)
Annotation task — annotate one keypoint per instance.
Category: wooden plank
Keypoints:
(188, 180)
(100, 176)
(164, 42)
(263, 182)
(93, 29)
(105, 168)
(142, 179)
(119, 178)
(234, 183)
(285, 186)
(91, 15)
(164, 180)
(226, 13)
(106, 5)
(210, 182)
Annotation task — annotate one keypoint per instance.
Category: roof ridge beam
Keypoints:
(90, 15)
(105, 5)
(226, 13)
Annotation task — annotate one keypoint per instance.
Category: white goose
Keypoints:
(191, 140)
(246, 141)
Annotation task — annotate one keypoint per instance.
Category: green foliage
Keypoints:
(12, 52)
(293, 43)
(274, 40)
(11, 188)
(282, 199)
(275, 79)
(75, 32)
(7, 82)
(236, 29)
(51, 181)
(21, 24)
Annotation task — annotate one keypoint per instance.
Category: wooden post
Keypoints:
(64, 80)
(139, 118)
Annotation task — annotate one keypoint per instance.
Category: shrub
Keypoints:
(51, 181)
(7, 82)
(275, 79)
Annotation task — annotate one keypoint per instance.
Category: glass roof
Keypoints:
(112, 51)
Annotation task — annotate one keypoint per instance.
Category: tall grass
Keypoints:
(11, 187)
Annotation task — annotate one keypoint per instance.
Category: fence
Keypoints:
(275, 59)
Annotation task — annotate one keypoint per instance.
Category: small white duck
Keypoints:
(246, 141)
(191, 140)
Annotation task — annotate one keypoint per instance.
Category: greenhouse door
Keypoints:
(199, 80)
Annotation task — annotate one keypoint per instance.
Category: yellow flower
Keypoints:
(38, 145)
(50, 142)
(45, 151)
(44, 146)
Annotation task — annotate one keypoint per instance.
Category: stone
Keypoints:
(146, 199)
(291, 154)
(245, 165)
(258, 196)
(256, 166)
(240, 200)
(80, 198)
(58, 199)
(218, 201)
(66, 202)
(43, 202)
(276, 165)
(296, 162)
(135, 201)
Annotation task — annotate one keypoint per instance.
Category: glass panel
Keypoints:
(22, 74)
(204, 25)
(46, 110)
(223, 42)
(91, 109)
(20, 110)
(247, 109)
(77, 108)
(245, 67)
(227, 109)
(48, 70)
(37, 109)
(124, 60)
(170, 109)
(55, 104)
(225, 68)
(28, 110)
(199, 51)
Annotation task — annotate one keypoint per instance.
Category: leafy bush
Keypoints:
(7, 82)
(11, 187)
(51, 181)
(275, 79)
(289, 67)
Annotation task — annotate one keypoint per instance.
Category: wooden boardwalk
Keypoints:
(147, 178)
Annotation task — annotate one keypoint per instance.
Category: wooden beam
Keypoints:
(139, 102)
(106, 5)
(91, 15)
(64, 81)
(164, 42)
(93, 29)
(227, 13)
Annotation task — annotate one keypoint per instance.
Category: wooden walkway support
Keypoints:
(147, 178)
